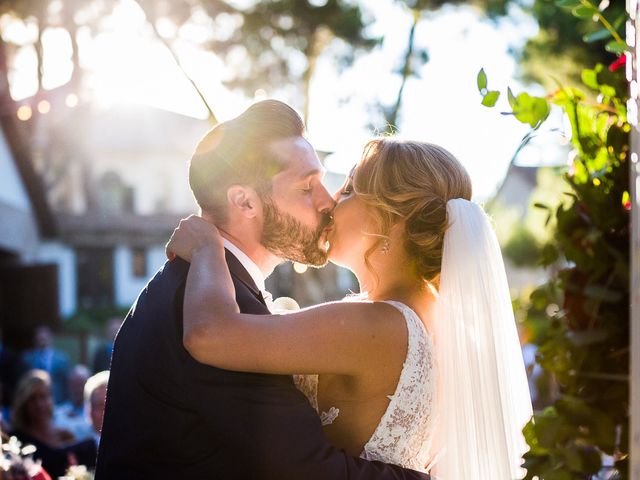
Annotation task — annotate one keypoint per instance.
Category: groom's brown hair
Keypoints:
(236, 152)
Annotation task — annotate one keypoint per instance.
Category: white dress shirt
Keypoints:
(252, 269)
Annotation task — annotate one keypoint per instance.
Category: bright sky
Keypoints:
(442, 105)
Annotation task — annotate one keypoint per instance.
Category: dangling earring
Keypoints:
(385, 246)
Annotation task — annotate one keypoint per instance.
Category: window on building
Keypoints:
(95, 277)
(114, 196)
(139, 259)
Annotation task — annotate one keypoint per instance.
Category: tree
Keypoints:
(65, 15)
(278, 42)
(180, 13)
(416, 56)
(282, 40)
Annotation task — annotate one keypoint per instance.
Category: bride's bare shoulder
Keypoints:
(359, 308)
(379, 319)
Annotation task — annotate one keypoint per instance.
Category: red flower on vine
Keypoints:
(621, 61)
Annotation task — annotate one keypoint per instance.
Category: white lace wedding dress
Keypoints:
(405, 432)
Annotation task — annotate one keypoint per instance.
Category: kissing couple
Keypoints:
(419, 376)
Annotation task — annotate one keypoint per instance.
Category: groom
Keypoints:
(168, 416)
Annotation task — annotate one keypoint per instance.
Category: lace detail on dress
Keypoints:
(308, 384)
(404, 434)
(327, 418)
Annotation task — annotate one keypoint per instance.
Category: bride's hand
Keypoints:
(190, 235)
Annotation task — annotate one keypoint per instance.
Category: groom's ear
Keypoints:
(244, 200)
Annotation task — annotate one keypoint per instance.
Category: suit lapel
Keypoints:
(241, 274)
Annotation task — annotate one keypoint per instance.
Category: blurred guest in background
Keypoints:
(102, 356)
(71, 414)
(55, 362)
(31, 421)
(95, 394)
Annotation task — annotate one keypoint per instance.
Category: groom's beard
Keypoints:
(284, 236)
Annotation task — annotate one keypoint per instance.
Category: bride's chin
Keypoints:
(334, 261)
(338, 257)
(334, 258)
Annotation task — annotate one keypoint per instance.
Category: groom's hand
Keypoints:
(191, 234)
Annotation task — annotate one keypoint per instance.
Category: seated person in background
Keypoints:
(53, 361)
(31, 421)
(71, 414)
(95, 394)
(102, 356)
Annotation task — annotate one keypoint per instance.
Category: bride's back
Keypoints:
(387, 413)
(362, 400)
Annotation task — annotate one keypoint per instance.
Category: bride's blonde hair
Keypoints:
(411, 182)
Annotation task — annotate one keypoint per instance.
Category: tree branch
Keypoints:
(174, 55)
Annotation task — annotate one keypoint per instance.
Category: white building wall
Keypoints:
(127, 285)
(20, 231)
(160, 181)
(155, 259)
(12, 191)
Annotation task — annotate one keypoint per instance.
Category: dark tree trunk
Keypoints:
(392, 116)
(317, 42)
(40, 53)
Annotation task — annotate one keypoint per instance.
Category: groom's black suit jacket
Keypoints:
(169, 417)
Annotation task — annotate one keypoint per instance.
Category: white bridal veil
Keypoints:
(484, 395)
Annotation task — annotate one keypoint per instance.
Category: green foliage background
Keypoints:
(585, 344)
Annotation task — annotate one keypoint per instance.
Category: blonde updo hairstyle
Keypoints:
(411, 182)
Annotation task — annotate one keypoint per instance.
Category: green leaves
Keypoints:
(568, 3)
(522, 248)
(567, 96)
(580, 9)
(590, 78)
(616, 47)
(556, 452)
(584, 11)
(482, 81)
(584, 344)
(529, 109)
(526, 108)
(489, 97)
(549, 254)
(595, 36)
(587, 10)
(600, 79)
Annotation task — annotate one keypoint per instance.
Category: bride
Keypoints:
(423, 369)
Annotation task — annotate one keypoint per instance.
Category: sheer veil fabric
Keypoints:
(483, 392)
